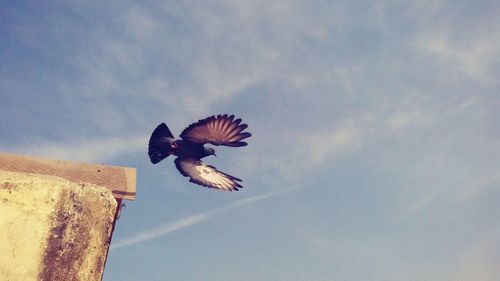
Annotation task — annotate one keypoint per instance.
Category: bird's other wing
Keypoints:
(217, 130)
(159, 143)
(206, 175)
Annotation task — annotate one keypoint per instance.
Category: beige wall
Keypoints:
(53, 229)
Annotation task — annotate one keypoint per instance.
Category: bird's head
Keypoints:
(210, 151)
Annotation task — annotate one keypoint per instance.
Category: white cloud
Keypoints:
(297, 153)
(90, 150)
(479, 260)
(477, 60)
(161, 231)
(474, 186)
(412, 112)
(321, 147)
(190, 221)
(463, 45)
(139, 23)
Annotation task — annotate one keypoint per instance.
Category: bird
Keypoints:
(222, 129)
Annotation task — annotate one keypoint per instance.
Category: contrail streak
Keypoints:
(189, 221)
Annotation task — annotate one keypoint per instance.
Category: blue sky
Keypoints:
(374, 153)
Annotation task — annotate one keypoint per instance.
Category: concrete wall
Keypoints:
(53, 229)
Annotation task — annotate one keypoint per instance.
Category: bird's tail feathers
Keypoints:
(163, 131)
(160, 143)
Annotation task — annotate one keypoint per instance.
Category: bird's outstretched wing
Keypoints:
(206, 175)
(217, 130)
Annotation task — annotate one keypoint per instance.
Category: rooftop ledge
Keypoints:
(57, 217)
(121, 181)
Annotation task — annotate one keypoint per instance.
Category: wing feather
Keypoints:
(228, 124)
(206, 175)
(217, 130)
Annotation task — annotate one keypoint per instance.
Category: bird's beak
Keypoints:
(215, 155)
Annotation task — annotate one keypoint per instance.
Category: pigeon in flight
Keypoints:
(216, 130)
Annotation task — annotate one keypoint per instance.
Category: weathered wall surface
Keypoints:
(53, 229)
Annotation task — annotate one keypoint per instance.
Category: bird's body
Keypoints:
(217, 130)
(187, 149)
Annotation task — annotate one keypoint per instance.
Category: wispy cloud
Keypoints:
(87, 150)
(474, 60)
(464, 43)
(479, 260)
(190, 220)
